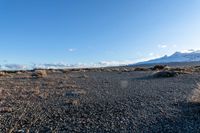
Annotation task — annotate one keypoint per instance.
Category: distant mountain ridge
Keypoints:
(189, 56)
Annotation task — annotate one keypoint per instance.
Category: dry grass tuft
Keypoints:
(3, 74)
(65, 70)
(37, 91)
(180, 70)
(195, 95)
(39, 74)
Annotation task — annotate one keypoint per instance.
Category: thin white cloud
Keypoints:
(189, 50)
(174, 46)
(15, 67)
(71, 49)
(151, 54)
(162, 46)
(114, 63)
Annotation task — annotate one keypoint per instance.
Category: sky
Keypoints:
(92, 31)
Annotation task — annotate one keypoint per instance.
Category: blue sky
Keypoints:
(86, 31)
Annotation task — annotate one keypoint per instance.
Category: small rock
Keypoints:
(75, 93)
(5, 110)
(72, 102)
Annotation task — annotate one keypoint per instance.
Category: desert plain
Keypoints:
(116, 99)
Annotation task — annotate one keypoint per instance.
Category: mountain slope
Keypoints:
(176, 57)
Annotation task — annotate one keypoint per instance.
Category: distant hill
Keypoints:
(191, 56)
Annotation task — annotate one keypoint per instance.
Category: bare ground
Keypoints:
(98, 100)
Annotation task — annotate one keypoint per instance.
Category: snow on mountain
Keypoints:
(186, 56)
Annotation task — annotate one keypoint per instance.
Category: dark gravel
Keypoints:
(90, 101)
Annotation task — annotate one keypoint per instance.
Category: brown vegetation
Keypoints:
(159, 67)
(165, 74)
(39, 73)
(4, 74)
(195, 95)
(141, 69)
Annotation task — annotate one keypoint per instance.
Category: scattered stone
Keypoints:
(73, 102)
(3, 92)
(75, 93)
(5, 110)
(71, 86)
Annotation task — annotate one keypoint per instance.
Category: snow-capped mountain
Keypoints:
(189, 56)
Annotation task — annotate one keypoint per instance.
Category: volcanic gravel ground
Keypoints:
(98, 102)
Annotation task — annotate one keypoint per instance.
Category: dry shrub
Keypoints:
(125, 70)
(18, 72)
(52, 70)
(76, 70)
(65, 70)
(159, 67)
(195, 95)
(141, 69)
(37, 91)
(165, 74)
(115, 69)
(97, 70)
(3, 74)
(39, 73)
(109, 70)
(197, 69)
(181, 70)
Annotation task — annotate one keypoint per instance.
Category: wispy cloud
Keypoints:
(14, 67)
(151, 54)
(174, 46)
(162, 46)
(71, 49)
(189, 50)
(64, 65)
(114, 63)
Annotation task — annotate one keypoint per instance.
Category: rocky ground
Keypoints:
(100, 100)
